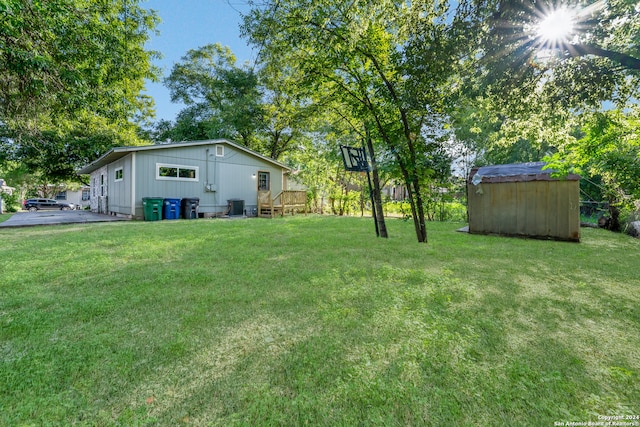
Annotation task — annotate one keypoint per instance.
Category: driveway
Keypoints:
(28, 219)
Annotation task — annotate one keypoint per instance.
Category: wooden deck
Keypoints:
(283, 202)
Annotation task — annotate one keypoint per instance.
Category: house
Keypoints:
(224, 176)
(79, 197)
(524, 200)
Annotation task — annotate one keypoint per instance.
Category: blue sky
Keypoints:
(189, 24)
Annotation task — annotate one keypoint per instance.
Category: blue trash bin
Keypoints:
(171, 209)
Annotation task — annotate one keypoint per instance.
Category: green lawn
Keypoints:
(5, 216)
(312, 320)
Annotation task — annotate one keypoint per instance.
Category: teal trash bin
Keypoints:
(152, 208)
(171, 209)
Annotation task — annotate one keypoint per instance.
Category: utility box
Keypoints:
(236, 207)
(523, 200)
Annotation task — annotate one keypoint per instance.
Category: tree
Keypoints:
(59, 57)
(58, 152)
(592, 54)
(285, 112)
(222, 100)
(496, 134)
(609, 152)
(361, 54)
(65, 64)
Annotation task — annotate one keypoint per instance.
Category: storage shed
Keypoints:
(523, 200)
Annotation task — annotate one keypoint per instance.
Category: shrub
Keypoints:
(10, 202)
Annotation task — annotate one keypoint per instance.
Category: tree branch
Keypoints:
(621, 58)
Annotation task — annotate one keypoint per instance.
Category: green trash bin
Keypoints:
(152, 208)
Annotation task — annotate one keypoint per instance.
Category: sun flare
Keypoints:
(557, 26)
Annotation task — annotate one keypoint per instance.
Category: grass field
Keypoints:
(5, 216)
(314, 321)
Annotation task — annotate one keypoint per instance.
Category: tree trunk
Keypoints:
(421, 225)
(415, 201)
(377, 196)
(614, 213)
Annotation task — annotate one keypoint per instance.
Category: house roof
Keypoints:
(516, 172)
(120, 152)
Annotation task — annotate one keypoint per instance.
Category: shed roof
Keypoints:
(516, 172)
(120, 152)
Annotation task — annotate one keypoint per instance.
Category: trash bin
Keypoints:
(236, 207)
(171, 209)
(189, 207)
(152, 208)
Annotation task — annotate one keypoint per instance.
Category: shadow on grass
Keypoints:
(221, 323)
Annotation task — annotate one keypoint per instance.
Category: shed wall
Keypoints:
(542, 209)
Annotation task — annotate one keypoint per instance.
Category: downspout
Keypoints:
(206, 180)
(133, 184)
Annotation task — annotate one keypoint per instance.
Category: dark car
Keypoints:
(33, 205)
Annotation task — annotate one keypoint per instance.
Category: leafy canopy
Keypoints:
(72, 74)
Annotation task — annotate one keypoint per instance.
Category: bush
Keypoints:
(10, 202)
(440, 211)
(629, 217)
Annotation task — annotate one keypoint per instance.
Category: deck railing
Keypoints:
(285, 201)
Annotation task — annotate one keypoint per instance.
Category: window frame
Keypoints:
(219, 150)
(178, 169)
(266, 180)
(121, 178)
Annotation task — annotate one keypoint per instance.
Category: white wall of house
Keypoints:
(80, 197)
(99, 190)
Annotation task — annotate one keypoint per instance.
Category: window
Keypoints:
(86, 194)
(61, 195)
(119, 175)
(263, 181)
(176, 172)
(219, 150)
(102, 189)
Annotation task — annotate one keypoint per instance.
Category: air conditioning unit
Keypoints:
(236, 207)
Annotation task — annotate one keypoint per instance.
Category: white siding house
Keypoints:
(80, 197)
(215, 171)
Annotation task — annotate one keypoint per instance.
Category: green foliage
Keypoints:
(71, 77)
(60, 57)
(223, 101)
(57, 153)
(599, 61)
(382, 66)
(10, 202)
(608, 152)
(522, 97)
(442, 208)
